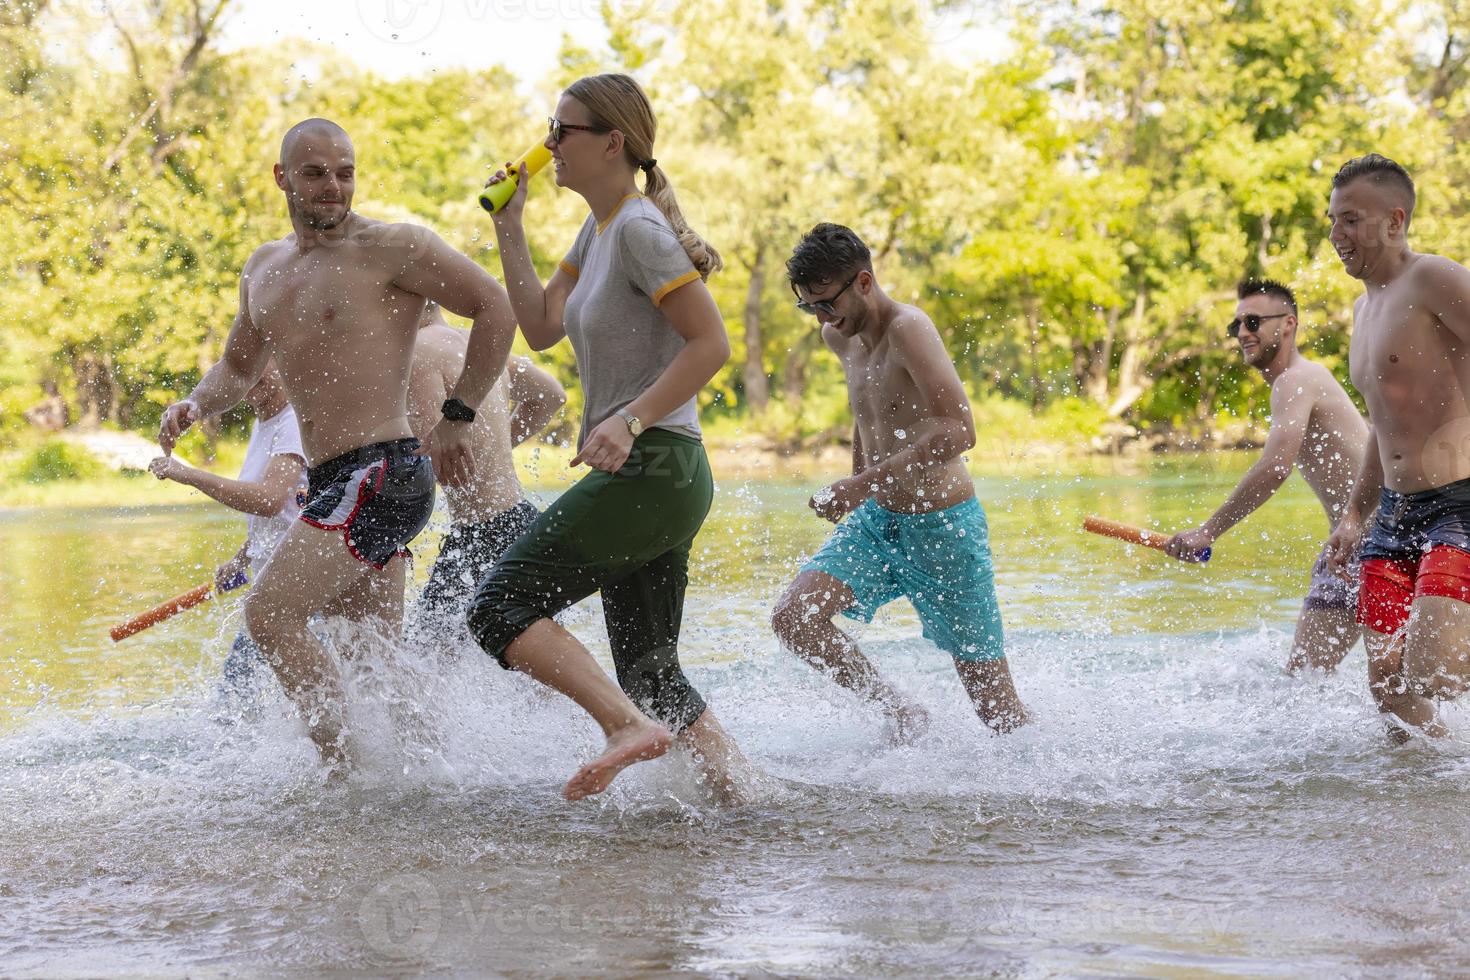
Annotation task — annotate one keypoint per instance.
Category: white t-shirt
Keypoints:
(279, 435)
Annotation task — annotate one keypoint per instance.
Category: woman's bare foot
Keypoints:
(727, 775)
(637, 742)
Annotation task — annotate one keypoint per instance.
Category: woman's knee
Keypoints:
(498, 614)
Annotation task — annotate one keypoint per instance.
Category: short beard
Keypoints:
(1265, 354)
(317, 223)
(312, 221)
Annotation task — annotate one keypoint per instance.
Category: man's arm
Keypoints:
(950, 428)
(1369, 486)
(264, 499)
(1347, 536)
(1292, 401)
(426, 388)
(451, 279)
(225, 384)
(537, 395)
(1445, 286)
(440, 273)
(948, 431)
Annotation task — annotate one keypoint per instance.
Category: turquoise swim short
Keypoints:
(940, 561)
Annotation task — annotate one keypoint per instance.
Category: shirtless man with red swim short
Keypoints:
(1410, 358)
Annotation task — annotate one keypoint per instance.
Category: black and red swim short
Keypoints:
(379, 496)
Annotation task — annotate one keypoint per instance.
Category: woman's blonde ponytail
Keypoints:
(619, 102)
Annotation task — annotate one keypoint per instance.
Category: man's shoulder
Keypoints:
(910, 318)
(404, 234)
(1430, 269)
(911, 325)
(441, 347)
(266, 252)
(1305, 378)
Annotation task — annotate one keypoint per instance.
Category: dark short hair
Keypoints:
(1380, 170)
(826, 253)
(1266, 287)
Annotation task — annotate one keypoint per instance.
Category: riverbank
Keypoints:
(547, 467)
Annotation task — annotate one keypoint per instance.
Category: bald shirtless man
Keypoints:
(1314, 427)
(1410, 357)
(337, 304)
(914, 528)
(491, 510)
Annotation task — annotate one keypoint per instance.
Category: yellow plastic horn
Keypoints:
(493, 198)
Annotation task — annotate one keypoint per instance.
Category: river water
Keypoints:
(1179, 808)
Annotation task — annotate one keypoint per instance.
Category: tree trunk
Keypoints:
(95, 394)
(1096, 383)
(793, 372)
(757, 384)
(1033, 337)
(1132, 381)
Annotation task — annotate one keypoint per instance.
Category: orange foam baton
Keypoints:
(1136, 535)
(170, 609)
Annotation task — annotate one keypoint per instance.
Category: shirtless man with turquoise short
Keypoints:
(913, 527)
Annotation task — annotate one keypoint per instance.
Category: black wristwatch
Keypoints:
(457, 411)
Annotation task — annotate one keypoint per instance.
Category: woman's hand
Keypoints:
(607, 446)
(516, 206)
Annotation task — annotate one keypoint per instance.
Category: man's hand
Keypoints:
(448, 447)
(176, 421)
(835, 502)
(1186, 544)
(607, 446)
(227, 575)
(165, 467)
(1343, 546)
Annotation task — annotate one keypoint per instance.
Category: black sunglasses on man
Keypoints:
(823, 305)
(1251, 322)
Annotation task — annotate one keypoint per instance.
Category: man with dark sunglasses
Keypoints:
(913, 527)
(1314, 428)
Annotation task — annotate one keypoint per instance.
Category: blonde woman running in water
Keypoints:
(630, 296)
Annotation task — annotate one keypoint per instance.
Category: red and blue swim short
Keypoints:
(1419, 546)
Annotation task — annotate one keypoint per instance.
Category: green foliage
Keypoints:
(56, 460)
(1072, 213)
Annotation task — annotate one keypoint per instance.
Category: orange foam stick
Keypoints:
(168, 610)
(1135, 535)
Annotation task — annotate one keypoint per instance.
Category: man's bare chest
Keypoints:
(1393, 343)
(316, 299)
(880, 389)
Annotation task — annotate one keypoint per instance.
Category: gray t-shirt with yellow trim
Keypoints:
(624, 269)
